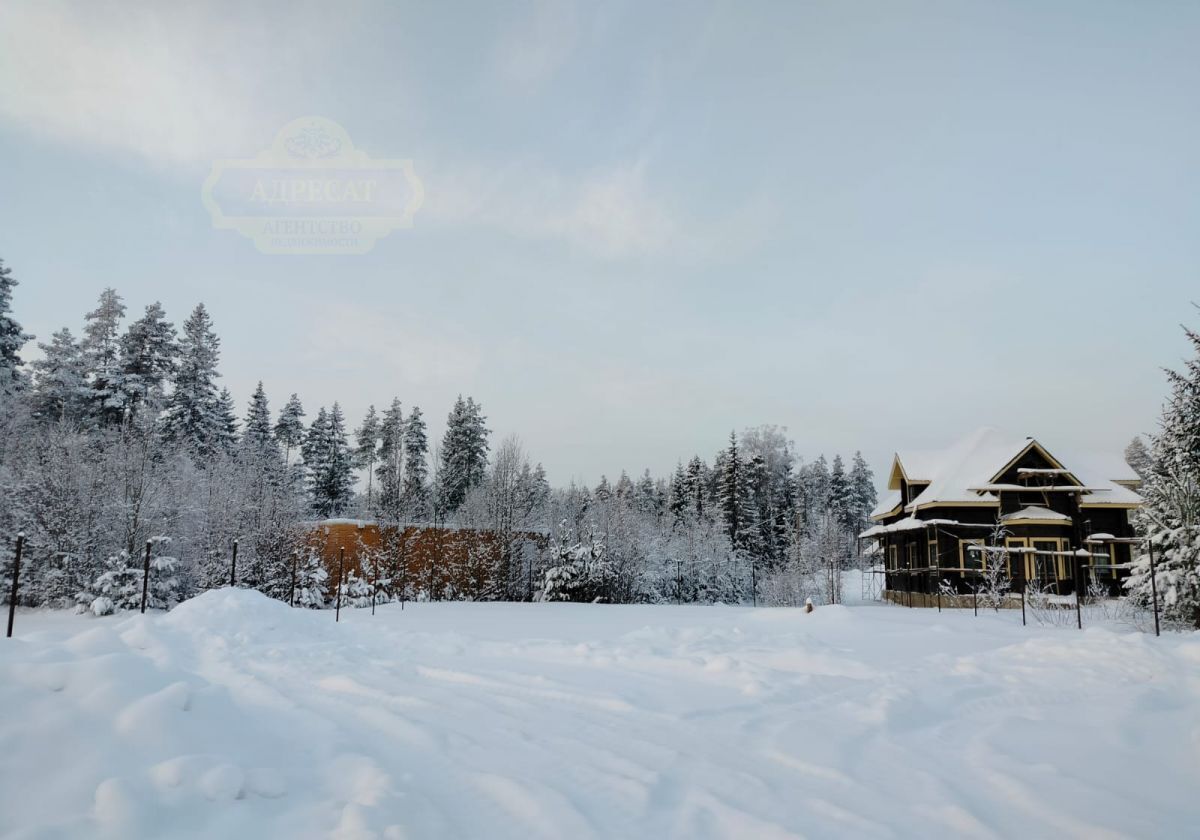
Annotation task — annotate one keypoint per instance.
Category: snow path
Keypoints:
(234, 716)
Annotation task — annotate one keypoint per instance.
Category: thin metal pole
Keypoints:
(233, 566)
(146, 576)
(754, 584)
(975, 598)
(12, 596)
(292, 596)
(1078, 595)
(1023, 582)
(939, 593)
(337, 616)
(374, 585)
(1153, 581)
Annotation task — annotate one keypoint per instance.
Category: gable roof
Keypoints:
(953, 476)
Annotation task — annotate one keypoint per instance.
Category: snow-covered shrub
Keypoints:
(578, 571)
(311, 580)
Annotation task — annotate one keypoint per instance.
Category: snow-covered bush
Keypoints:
(312, 581)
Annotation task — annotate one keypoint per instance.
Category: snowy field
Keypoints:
(236, 717)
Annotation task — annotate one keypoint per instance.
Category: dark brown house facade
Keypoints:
(1047, 517)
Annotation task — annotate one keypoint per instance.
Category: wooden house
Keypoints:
(1046, 515)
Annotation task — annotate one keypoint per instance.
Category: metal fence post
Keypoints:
(233, 566)
(1023, 600)
(12, 597)
(1153, 582)
(146, 576)
(337, 615)
(292, 596)
(1078, 594)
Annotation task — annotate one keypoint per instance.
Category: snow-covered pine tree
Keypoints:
(102, 350)
(311, 580)
(841, 497)
(1138, 457)
(366, 449)
(647, 500)
(416, 467)
(119, 586)
(695, 483)
(862, 491)
(732, 488)
(192, 416)
(12, 337)
(289, 428)
(464, 454)
(227, 424)
(257, 435)
(679, 498)
(1171, 515)
(330, 464)
(148, 358)
(60, 390)
(390, 471)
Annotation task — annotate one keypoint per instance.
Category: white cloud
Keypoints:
(172, 83)
(536, 45)
(610, 213)
(383, 348)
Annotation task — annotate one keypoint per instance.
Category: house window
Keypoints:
(893, 558)
(967, 559)
(913, 555)
(933, 554)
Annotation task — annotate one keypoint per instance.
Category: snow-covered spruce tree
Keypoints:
(289, 428)
(579, 570)
(463, 456)
(329, 463)
(390, 471)
(366, 450)
(356, 590)
(841, 496)
(416, 467)
(1171, 515)
(102, 351)
(732, 489)
(312, 580)
(1137, 456)
(60, 389)
(257, 435)
(119, 585)
(862, 489)
(148, 358)
(227, 424)
(192, 417)
(12, 337)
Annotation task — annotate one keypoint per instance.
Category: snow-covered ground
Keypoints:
(234, 716)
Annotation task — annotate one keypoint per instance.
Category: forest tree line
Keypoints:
(120, 435)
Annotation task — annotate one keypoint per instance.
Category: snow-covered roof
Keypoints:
(889, 502)
(965, 471)
(1035, 512)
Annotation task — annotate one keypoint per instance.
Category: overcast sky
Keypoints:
(877, 224)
